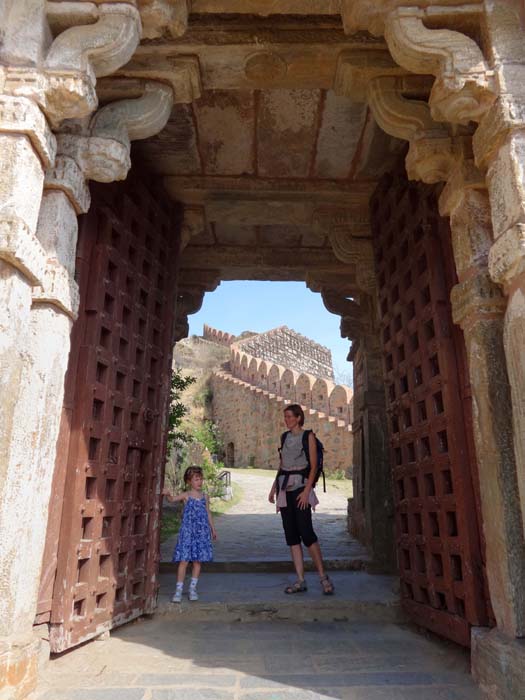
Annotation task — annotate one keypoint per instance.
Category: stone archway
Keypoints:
(446, 80)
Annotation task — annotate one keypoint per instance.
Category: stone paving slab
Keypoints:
(249, 597)
(252, 531)
(159, 659)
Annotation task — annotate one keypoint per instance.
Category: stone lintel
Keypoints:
(282, 259)
(342, 193)
(265, 8)
(296, 59)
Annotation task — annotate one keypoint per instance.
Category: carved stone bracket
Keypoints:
(193, 224)
(464, 88)
(129, 120)
(432, 152)
(101, 48)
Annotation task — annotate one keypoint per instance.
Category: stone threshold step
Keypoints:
(257, 597)
(271, 566)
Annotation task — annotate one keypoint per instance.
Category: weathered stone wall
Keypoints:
(286, 347)
(252, 419)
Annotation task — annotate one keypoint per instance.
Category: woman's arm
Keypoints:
(303, 497)
(273, 490)
(210, 519)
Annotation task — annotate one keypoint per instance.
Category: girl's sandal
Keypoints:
(327, 585)
(297, 587)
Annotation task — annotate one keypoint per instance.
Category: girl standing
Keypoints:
(196, 532)
(296, 497)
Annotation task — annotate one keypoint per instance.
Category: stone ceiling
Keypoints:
(268, 148)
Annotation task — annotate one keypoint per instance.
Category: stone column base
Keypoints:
(498, 664)
(18, 669)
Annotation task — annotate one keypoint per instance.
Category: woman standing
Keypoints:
(296, 497)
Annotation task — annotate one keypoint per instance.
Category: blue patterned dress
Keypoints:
(194, 543)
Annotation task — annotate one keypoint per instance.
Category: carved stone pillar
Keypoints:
(499, 145)
(478, 307)
(42, 81)
(373, 498)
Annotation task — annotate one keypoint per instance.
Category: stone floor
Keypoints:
(252, 531)
(159, 659)
(246, 640)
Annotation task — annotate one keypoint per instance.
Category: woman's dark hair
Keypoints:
(191, 472)
(297, 411)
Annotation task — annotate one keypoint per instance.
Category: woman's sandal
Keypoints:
(297, 587)
(327, 585)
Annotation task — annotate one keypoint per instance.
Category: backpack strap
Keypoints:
(306, 446)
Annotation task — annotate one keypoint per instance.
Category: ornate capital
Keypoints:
(160, 15)
(464, 88)
(67, 176)
(506, 115)
(507, 255)
(59, 289)
(100, 159)
(20, 115)
(21, 248)
(101, 48)
(475, 299)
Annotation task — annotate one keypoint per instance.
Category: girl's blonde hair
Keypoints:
(191, 472)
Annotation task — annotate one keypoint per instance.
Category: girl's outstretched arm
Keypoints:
(210, 519)
(174, 499)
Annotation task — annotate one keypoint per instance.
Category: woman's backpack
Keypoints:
(320, 455)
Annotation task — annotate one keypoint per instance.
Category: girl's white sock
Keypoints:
(193, 583)
(179, 586)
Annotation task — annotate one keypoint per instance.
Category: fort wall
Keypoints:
(286, 347)
(251, 420)
(216, 336)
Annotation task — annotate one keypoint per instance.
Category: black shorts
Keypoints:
(297, 523)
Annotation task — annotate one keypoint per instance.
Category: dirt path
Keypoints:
(252, 530)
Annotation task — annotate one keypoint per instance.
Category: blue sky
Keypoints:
(240, 306)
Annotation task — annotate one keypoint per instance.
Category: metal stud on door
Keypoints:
(108, 545)
(434, 471)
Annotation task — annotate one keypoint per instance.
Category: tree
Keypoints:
(177, 437)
